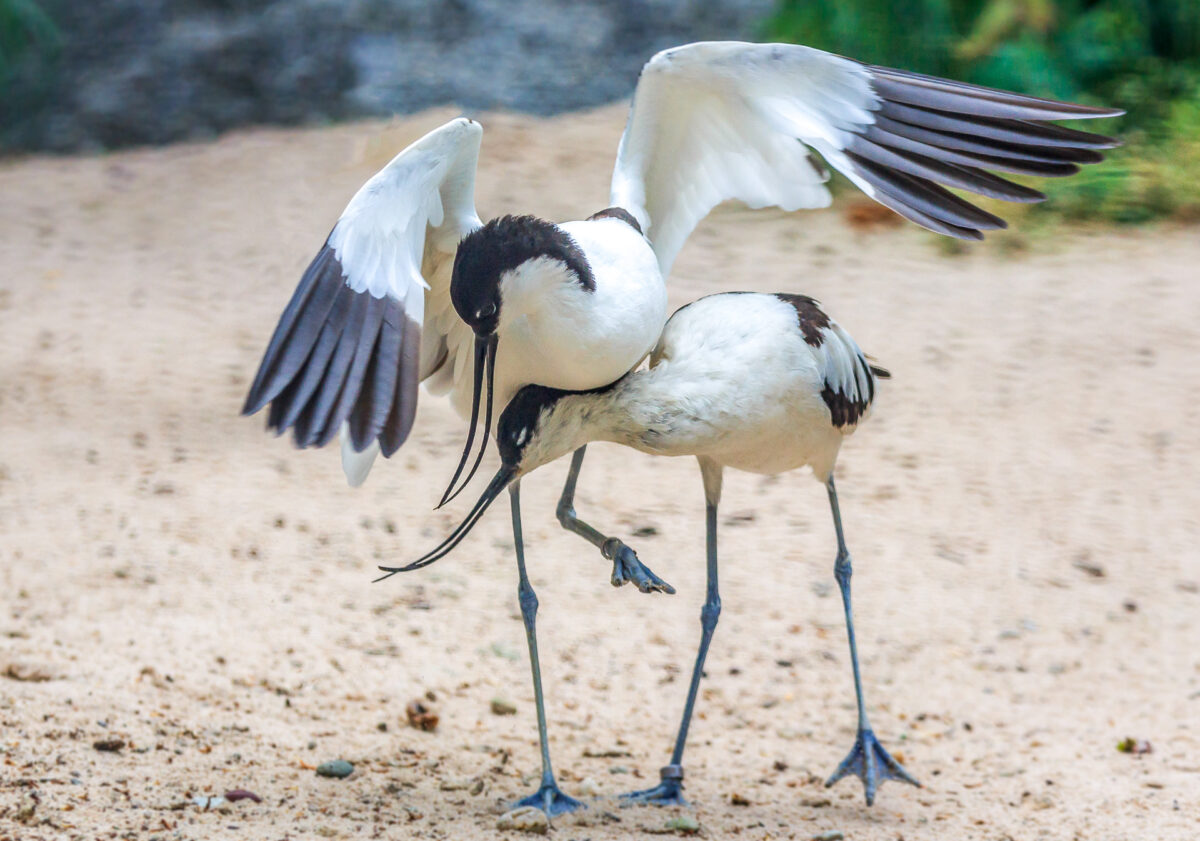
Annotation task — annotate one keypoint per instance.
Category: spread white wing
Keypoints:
(348, 352)
(727, 120)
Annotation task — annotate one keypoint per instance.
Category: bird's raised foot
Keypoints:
(669, 792)
(627, 568)
(872, 764)
(550, 799)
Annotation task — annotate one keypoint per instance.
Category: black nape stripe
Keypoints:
(617, 213)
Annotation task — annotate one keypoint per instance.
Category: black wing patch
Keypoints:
(847, 406)
(930, 132)
(339, 355)
(619, 213)
(811, 319)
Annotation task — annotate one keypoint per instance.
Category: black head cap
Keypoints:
(501, 245)
(519, 420)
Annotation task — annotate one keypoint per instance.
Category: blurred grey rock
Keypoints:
(151, 71)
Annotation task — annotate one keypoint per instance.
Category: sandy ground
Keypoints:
(1023, 508)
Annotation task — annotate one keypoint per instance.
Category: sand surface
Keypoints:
(1023, 508)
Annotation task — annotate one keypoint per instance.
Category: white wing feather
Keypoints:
(370, 316)
(424, 199)
(727, 120)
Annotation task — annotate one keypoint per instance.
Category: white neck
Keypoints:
(644, 411)
(532, 287)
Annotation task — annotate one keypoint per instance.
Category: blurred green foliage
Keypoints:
(25, 29)
(1140, 55)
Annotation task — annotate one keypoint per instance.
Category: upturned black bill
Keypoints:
(485, 352)
(499, 482)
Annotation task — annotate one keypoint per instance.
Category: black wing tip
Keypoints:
(1001, 97)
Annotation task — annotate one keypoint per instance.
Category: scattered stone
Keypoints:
(503, 707)
(609, 753)
(1130, 606)
(24, 674)
(1083, 564)
(237, 794)
(1137, 747)
(588, 787)
(525, 819)
(109, 745)
(645, 531)
(684, 825)
(338, 768)
(815, 802)
(421, 716)
(828, 835)
(737, 799)
(27, 807)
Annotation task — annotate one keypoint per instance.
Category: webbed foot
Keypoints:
(669, 792)
(872, 764)
(550, 799)
(627, 568)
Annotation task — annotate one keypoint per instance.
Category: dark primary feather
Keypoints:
(339, 355)
(930, 132)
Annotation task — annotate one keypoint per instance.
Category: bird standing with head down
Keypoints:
(411, 286)
(761, 383)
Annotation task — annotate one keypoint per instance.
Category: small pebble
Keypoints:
(335, 768)
(588, 787)
(420, 716)
(503, 707)
(685, 824)
(109, 745)
(241, 794)
(828, 835)
(525, 819)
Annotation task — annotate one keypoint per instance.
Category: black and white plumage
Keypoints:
(710, 122)
(755, 382)
(576, 305)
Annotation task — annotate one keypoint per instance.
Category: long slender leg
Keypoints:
(549, 798)
(626, 566)
(867, 760)
(670, 790)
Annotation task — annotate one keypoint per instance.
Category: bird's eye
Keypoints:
(487, 310)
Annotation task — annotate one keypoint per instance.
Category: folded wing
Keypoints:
(347, 352)
(727, 120)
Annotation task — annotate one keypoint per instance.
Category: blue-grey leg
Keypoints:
(670, 790)
(626, 566)
(549, 798)
(867, 760)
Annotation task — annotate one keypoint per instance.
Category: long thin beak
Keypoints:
(499, 482)
(485, 350)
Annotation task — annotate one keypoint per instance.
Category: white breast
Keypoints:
(575, 339)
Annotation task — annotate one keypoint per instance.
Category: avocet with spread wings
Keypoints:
(411, 286)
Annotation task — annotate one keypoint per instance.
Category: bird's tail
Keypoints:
(356, 465)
